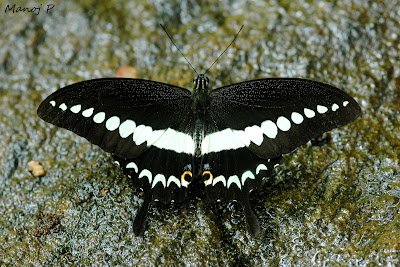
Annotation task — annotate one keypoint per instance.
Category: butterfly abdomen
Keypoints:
(198, 137)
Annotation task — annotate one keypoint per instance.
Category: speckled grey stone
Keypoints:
(337, 203)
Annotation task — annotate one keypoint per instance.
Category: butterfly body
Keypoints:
(164, 136)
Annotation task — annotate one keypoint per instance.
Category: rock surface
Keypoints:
(337, 203)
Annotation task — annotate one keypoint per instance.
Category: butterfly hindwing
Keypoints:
(164, 174)
(230, 175)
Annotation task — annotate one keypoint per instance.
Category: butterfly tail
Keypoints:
(253, 227)
(139, 222)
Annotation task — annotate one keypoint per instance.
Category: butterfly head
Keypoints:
(200, 82)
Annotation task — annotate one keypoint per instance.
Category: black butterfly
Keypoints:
(164, 136)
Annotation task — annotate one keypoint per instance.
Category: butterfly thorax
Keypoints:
(200, 97)
(200, 107)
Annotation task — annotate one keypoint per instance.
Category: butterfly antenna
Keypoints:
(225, 49)
(178, 48)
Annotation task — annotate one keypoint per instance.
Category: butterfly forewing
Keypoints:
(122, 116)
(274, 116)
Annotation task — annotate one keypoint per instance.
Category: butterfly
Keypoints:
(165, 137)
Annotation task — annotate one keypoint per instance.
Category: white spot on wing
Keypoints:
(168, 139)
(175, 141)
(242, 136)
(234, 179)
(247, 175)
(297, 118)
(335, 107)
(88, 112)
(216, 142)
(205, 145)
(232, 141)
(63, 107)
(141, 133)
(127, 128)
(53, 103)
(132, 165)
(154, 136)
(112, 123)
(173, 179)
(189, 145)
(208, 181)
(159, 178)
(261, 167)
(345, 103)
(321, 109)
(255, 134)
(269, 129)
(283, 123)
(184, 183)
(221, 179)
(223, 140)
(138, 131)
(99, 117)
(146, 173)
(181, 142)
(75, 109)
(309, 113)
